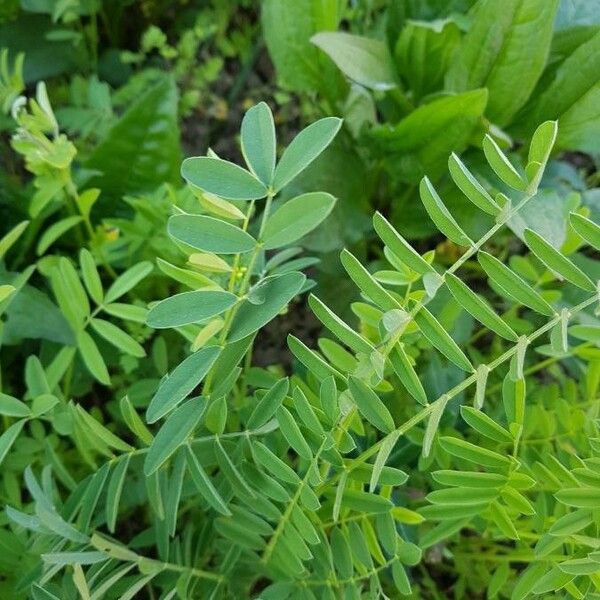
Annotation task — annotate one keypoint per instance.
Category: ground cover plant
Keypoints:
(299, 300)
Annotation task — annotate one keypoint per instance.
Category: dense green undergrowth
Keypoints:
(415, 205)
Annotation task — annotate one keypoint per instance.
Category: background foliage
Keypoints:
(299, 299)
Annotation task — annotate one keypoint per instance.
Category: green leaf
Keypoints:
(209, 234)
(92, 358)
(7, 439)
(421, 142)
(473, 453)
(219, 207)
(407, 375)
(189, 307)
(370, 406)
(91, 495)
(11, 407)
(204, 485)
(440, 215)
(556, 262)
(517, 501)
(174, 432)
(112, 549)
(485, 425)
(291, 432)
(11, 237)
(174, 490)
(469, 478)
(114, 490)
(451, 512)
(72, 558)
(423, 51)
(505, 52)
(470, 187)
(184, 378)
(304, 148)
(385, 449)
(399, 246)
(274, 464)
(306, 412)
(239, 534)
(433, 423)
(91, 277)
(542, 143)
(366, 283)
(127, 312)
(39, 593)
(365, 502)
(338, 327)
(216, 415)
(55, 231)
(287, 29)
(117, 337)
(571, 523)
(142, 150)
(131, 592)
(478, 307)
(268, 404)
(69, 293)
(462, 495)
(296, 218)
(101, 432)
(579, 497)
(586, 228)
(231, 473)
(527, 581)
(364, 60)
(311, 360)
(274, 292)
(501, 165)
(400, 579)
(189, 278)
(503, 521)
(571, 96)
(222, 178)
(440, 339)
(128, 280)
(134, 421)
(258, 142)
(512, 284)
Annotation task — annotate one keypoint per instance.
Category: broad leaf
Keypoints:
(365, 60)
(258, 142)
(222, 178)
(504, 51)
(142, 149)
(296, 218)
(190, 307)
(304, 148)
(287, 29)
(421, 142)
(210, 234)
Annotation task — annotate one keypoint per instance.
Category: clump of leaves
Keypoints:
(241, 482)
(416, 81)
